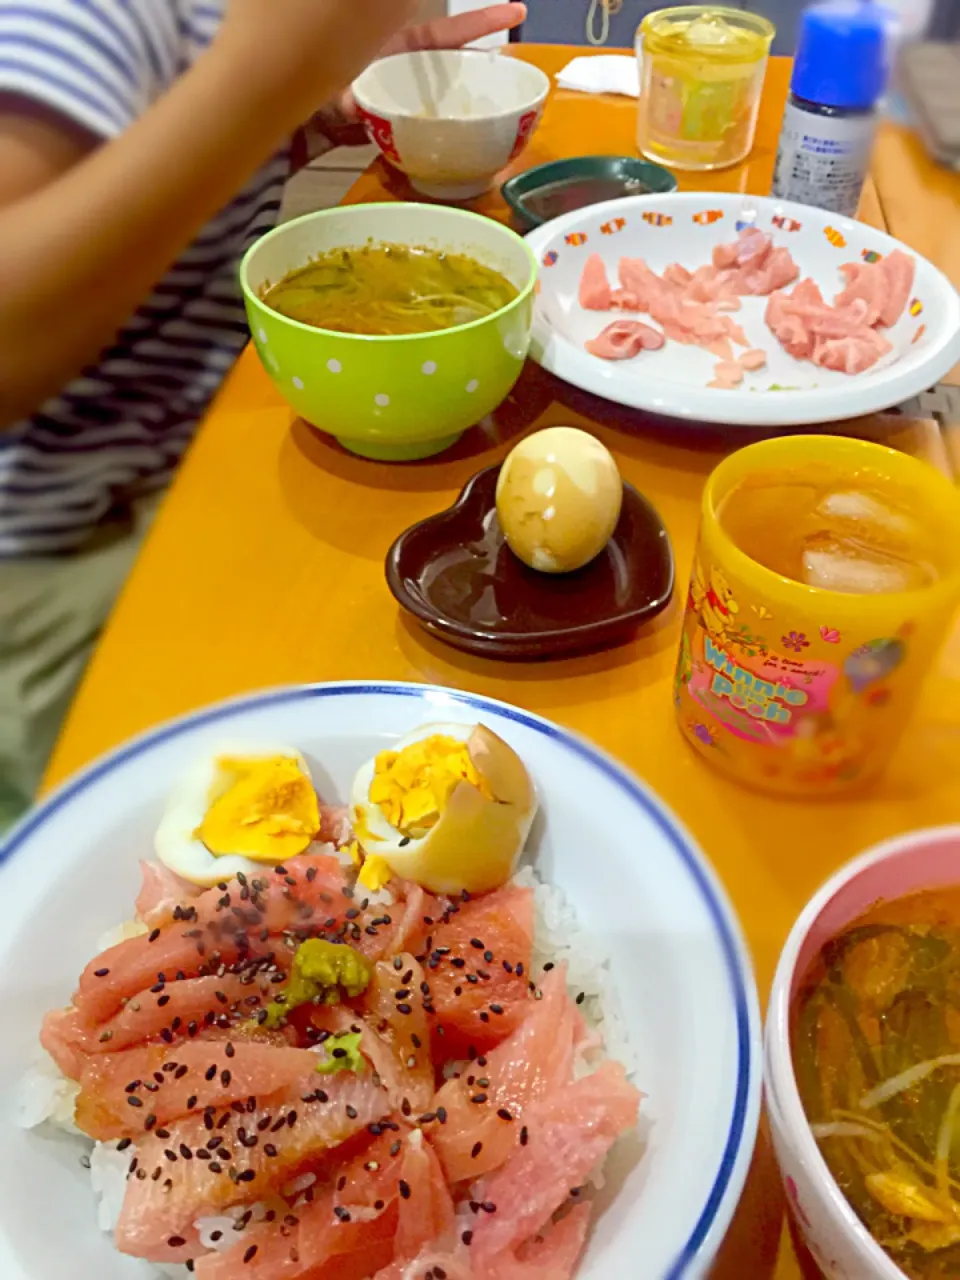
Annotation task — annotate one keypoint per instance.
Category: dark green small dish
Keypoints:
(552, 189)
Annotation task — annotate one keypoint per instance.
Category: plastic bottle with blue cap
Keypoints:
(839, 77)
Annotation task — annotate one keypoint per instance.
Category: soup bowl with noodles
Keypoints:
(393, 327)
(862, 1064)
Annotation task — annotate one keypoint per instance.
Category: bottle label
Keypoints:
(823, 160)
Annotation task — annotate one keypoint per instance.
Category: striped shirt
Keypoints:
(119, 429)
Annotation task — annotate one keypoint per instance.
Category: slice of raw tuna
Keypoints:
(624, 339)
(569, 1133)
(346, 1231)
(225, 925)
(482, 1112)
(595, 292)
(477, 962)
(242, 1155)
(126, 1094)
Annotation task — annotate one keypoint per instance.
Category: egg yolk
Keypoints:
(375, 872)
(267, 810)
(412, 787)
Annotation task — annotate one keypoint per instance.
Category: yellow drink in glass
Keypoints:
(701, 76)
(826, 575)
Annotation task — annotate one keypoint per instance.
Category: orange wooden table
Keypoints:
(266, 567)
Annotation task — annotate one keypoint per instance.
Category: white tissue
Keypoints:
(610, 73)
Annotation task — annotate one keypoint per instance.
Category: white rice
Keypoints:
(558, 937)
(46, 1096)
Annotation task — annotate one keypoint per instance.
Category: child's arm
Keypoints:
(78, 253)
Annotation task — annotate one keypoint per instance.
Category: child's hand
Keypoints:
(294, 53)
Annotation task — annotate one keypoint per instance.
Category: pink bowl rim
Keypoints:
(783, 1096)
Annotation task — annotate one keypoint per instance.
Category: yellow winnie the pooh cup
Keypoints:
(796, 688)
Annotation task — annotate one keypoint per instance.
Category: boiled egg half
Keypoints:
(449, 806)
(245, 806)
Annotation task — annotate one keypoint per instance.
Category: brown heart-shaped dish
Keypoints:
(455, 573)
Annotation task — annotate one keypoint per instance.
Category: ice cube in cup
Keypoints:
(867, 510)
(840, 565)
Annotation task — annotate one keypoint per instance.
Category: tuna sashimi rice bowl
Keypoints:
(349, 1034)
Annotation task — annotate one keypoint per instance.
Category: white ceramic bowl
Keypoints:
(684, 227)
(636, 878)
(842, 1246)
(451, 119)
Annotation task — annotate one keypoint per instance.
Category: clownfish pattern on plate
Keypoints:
(916, 306)
(658, 219)
(550, 257)
(919, 334)
(613, 226)
(871, 255)
(708, 216)
(785, 223)
(575, 238)
(834, 237)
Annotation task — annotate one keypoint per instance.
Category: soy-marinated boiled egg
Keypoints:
(246, 805)
(449, 807)
(559, 495)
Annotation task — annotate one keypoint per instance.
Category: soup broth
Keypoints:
(382, 289)
(875, 1037)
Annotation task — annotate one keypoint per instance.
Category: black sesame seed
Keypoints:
(519, 970)
(342, 1213)
(210, 1072)
(250, 1254)
(225, 1078)
(488, 956)
(467, 1237)
(479, 1098)
(123, 1144)
(524, 1136)
(185, 1151)
(477, 1148)
(133, 1101)
(191, 1102)
(100, 973)
(351, 1111)
(395, 1148)
(154, 935)
(176, 1242)
(548, 966)
(488, 1206)
(248, 1175)
(504, 1114)
(442, 1114)
(270, 1150)
(229, 1050)
(475, 942)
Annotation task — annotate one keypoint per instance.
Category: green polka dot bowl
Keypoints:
(392, 398)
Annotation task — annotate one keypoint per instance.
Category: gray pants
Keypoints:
(52, 609)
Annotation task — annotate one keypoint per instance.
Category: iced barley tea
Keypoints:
(824, 580)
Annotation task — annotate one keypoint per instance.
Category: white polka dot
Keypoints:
(298, 383)
(428, 367)
(262, 335)
(472, 384)
(381, 400)
(273, 362)
(334, 366)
